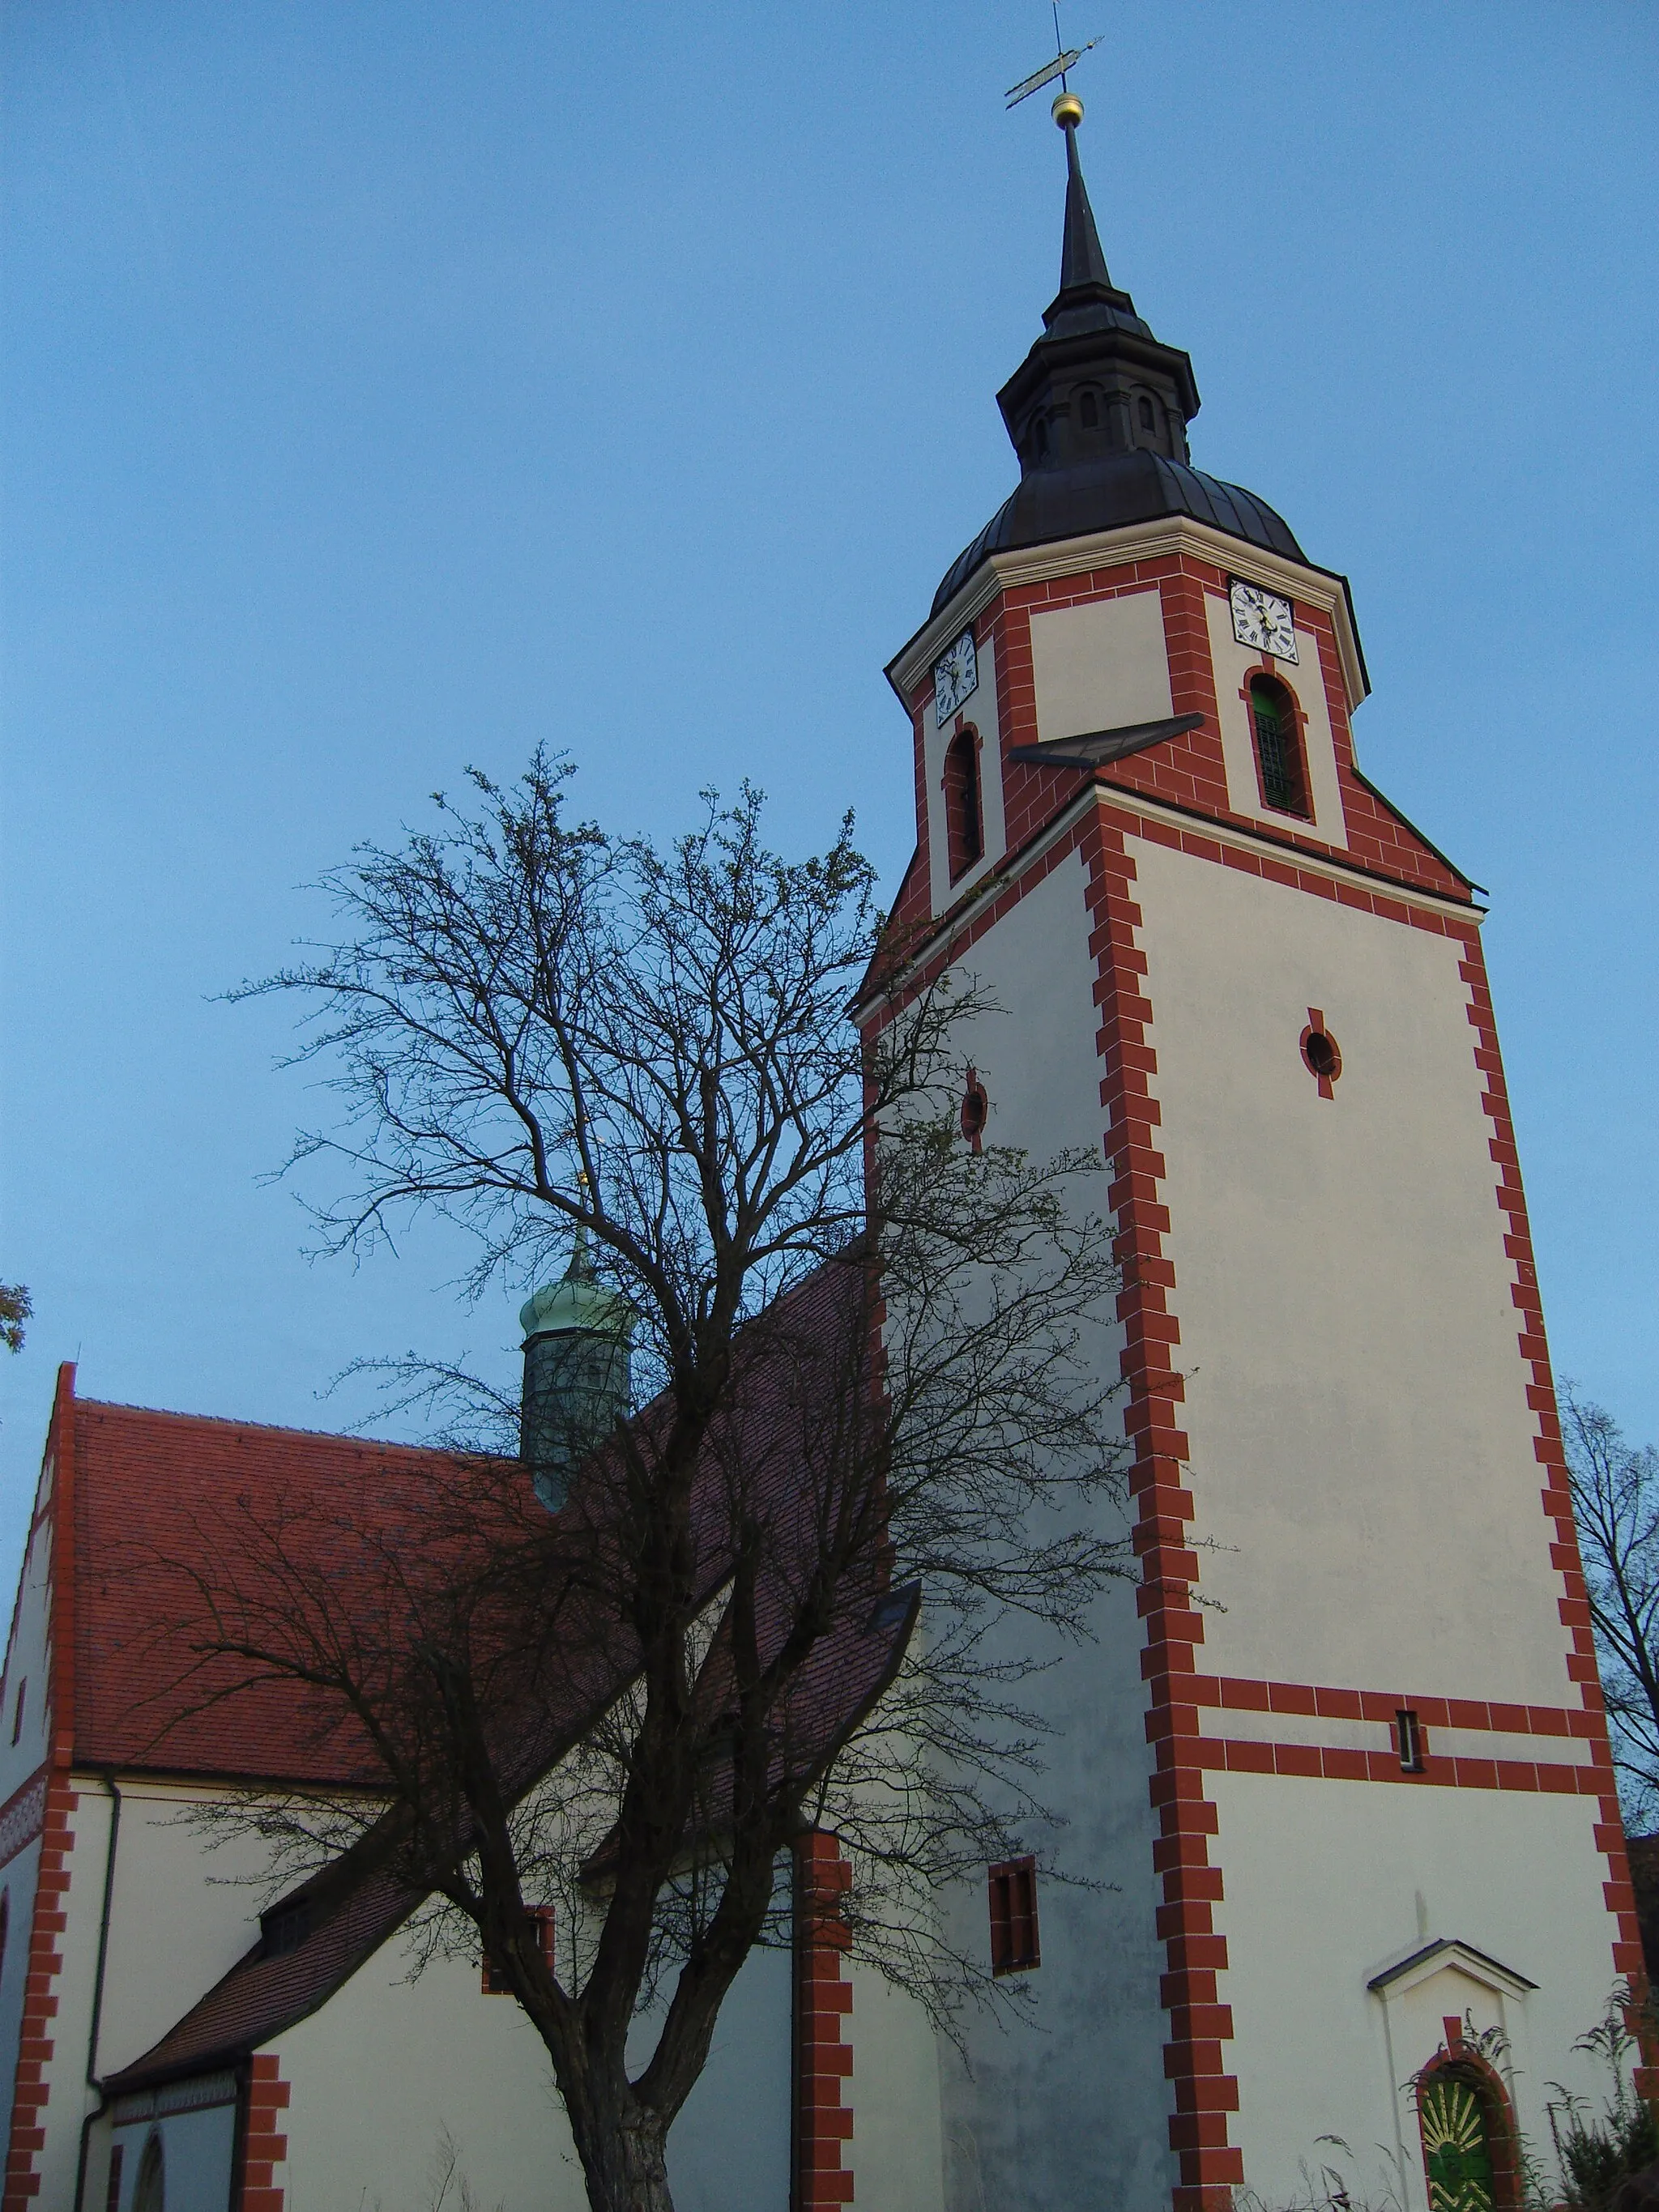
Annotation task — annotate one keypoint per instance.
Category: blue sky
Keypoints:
(393, 385)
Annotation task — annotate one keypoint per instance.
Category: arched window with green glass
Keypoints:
(1278, 747)
(1468, 2148)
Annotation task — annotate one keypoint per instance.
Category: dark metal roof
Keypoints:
(1050, 504)
(1097, 412)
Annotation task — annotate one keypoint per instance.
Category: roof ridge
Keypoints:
(277, 1429)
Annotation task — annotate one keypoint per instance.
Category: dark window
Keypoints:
(285, 1928)
(1409, 1731)
(1039, 440)
(965, 827)
(1014, 1917)
(1277, 749)
(5, 1926)
(17, 1716)
(1089, 411)
(113, 2194)
(1146, 421)
(496, 1984)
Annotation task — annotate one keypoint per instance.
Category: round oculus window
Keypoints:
(1321, 1053)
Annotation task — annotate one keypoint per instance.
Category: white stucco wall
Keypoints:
(1070, 2106)
(896, 2153)
(1329, 1884)
(27, 1659)
(392, 2070)
(70, 2097)
(729, 2150)
(1101, 666)
(1362, 1448)
(184, 1908)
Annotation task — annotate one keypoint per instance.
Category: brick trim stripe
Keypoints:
(1556, 1496)
(23, 1815)
(823, 2117)
(1196, 1950)
(265, 2143)
(1324, 1762)
(36, 2042)
(1245, 1693)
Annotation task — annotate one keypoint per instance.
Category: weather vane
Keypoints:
(1065, 58)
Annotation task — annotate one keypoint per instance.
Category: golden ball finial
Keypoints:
(1067, 110)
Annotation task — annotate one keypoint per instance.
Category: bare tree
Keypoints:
(1615, 1498)
(873, 1363)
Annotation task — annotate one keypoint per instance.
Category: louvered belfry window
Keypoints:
(1277, 749)
(1014, 1948)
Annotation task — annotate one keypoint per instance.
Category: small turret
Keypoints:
(578, 1337)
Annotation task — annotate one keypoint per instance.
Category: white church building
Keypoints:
(1339, 1762)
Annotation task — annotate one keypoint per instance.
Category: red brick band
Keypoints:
(264, 2146)
(36, 2042)
(823, 2117)
(1196, 1949)
(1557, 1495)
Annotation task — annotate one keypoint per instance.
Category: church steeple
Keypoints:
(1097, 412)
(1097, 382)
(1081, 261)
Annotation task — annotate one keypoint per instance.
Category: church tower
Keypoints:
(1342, 1755)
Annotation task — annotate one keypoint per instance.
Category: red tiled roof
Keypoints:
(154, 1494)
(359, 1902)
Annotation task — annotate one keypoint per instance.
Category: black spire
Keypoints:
(1081, 261)
(1097, 412)
(1096, 382)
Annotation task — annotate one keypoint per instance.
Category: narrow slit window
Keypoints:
(1014, 1947)
(496, 1984)
(1278, 748)
(1409, 1732)
(1089, 411)
(113, 2194)
(17, 1711)
(964, 819)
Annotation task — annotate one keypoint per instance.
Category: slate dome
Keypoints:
(1098, 413)
(1120, 488)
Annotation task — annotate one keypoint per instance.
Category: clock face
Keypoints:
(1262, 619)
(956, 677)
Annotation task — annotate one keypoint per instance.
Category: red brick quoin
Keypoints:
(1556, 1496)
(263, 2147)
(1196, 1951)
(35, 2045)
(823, 2119)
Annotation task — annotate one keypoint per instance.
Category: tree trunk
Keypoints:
(626, 2164)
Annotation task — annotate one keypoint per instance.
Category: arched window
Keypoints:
(965, 824)
(1147, 419)
(150, 2192)
(1040, 440)
(1468, 2141)
(1088, 411)
(1278, 747)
